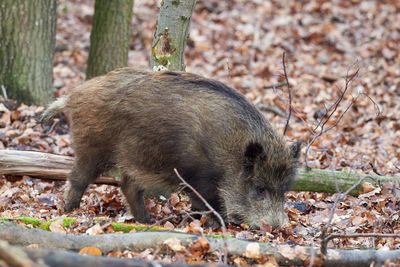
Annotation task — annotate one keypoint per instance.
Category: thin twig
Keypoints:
(330, 112)
(221, 220)
(379, 112)
(299, 116)
(174, 216)
(324, 241)
(332, 109)
(290, 94)
(159, 222)
(273, 109)
(375, 170)
(228, 69)
(275, 85)
(55, 122)
(374, 235)
(190, 214)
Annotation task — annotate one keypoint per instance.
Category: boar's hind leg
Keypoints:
(87, 167)
(134, 195)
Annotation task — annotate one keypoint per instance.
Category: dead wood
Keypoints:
(40, 165)
(40, 257)
(284, 254)
(210, 208)
(56, 167)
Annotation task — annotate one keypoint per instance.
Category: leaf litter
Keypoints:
(241, 44)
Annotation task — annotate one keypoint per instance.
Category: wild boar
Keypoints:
(148, 123)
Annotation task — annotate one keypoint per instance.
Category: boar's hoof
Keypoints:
(144, 220)
(71, 205)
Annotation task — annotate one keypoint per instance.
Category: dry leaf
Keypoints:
(200, 247)
(357, 220)
(195, 227)
(57, 227)
(174, 199)
(98, 228)
(169, 225)
(90, 251)
(371, 193)
(265, 228)
(240, 262)
(174, 244)
(271, 262)
(367, 187)
(95, 230)
(252, 251)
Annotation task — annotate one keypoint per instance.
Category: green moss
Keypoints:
(31, 221)
(46, 225)
(67, 222)
(219, 236)
(26, 220)
(126, 228)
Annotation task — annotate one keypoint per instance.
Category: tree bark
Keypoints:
(109, 38)
(27, 43)
(18, 256)
(169, 43)
(284, 254)
(323, 181)
(40, 165)
(57, 167)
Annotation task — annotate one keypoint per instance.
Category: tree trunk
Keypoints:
(168, 48)
(109, 38)
(50, 166)
(27, 43)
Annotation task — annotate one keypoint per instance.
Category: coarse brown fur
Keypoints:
(148, 123)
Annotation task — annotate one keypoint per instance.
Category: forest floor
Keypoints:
(241, 43)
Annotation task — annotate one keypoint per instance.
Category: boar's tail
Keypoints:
(54, 108)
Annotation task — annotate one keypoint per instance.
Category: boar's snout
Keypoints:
(278, 221)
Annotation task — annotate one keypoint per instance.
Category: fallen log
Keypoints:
(41, 257)
(40, 165)
(284, 254)
(56, 167)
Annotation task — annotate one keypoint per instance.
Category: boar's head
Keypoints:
(256, 195)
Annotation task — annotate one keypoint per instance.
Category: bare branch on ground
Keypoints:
(221, 220)
(341, 196)
(289, 92)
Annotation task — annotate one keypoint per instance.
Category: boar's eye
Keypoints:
(262, 192)
(295, 149)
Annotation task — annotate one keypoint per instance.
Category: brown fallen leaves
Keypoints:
(90, 251)
(241, 43)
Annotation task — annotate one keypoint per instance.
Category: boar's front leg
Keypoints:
(134, 195)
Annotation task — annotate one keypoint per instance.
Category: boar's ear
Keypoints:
(252, 153)
(295, 149)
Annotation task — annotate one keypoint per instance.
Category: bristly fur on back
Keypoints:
(54, 108)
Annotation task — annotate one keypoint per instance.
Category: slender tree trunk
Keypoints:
(168, 48)
(27, 43)
(109, 38)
